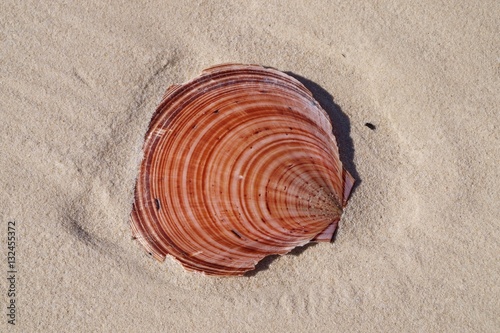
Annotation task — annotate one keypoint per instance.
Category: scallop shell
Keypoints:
(239, 163)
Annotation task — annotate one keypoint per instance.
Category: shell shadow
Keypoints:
(341, 130)
(267, 261)
(340, 122)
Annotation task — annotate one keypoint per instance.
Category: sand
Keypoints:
(418, 247)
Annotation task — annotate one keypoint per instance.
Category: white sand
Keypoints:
(418, 248)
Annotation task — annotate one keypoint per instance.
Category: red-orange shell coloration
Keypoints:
(239, 163)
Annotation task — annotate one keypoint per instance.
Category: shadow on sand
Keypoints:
(340, 122)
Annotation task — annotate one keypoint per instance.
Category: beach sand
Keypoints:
(418, 247)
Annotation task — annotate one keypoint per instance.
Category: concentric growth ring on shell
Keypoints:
(239, 163)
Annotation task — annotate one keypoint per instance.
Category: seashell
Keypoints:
(239, 163)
